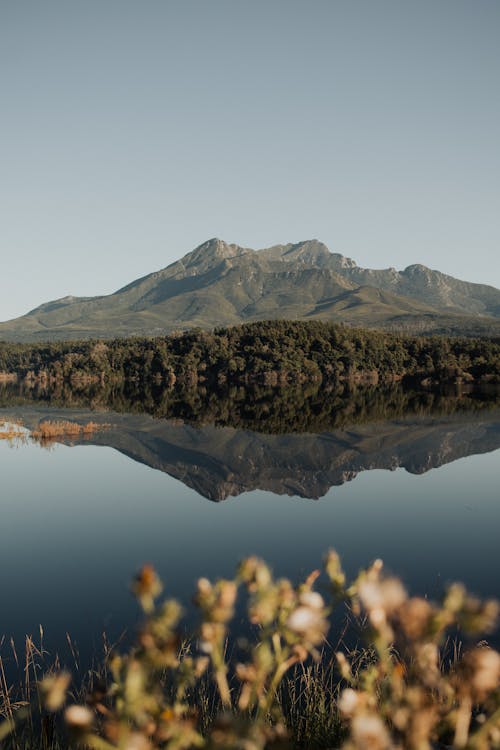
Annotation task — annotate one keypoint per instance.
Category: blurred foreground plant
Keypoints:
(397, 695)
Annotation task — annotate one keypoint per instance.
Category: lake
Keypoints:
(79, 516)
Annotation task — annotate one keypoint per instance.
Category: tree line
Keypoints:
(276, 352)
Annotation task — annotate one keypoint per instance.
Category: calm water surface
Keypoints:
(78, 520)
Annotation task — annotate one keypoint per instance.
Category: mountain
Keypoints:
(220, 462)
(224, 284)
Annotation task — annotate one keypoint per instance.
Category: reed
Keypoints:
(53, 429)
(14, 430)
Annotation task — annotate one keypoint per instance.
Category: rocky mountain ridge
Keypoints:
(224, 284)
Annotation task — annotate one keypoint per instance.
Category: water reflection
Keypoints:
(77, 522)
(309, 408)
(239, 451)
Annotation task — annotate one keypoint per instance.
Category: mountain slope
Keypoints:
(223, 284)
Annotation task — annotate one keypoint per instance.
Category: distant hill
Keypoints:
(223, 284)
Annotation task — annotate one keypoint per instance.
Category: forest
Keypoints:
(276, 352)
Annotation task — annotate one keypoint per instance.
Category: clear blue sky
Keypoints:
(133, 131)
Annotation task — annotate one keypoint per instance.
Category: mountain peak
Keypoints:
(307, 251)
(417, 268)
(311, 253)
(213, 250)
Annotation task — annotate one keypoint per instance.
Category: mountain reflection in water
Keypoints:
(78, 523)
(222, 461)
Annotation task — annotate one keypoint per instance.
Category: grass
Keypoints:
(53, 429)
(48, 431)
(307, 698)
(288, 687)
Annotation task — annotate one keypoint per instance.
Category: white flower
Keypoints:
(388, 595)
(369, 732)
(312, 599)
(79, 717)
(303, 619)
(348, 702)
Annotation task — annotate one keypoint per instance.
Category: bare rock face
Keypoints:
(210, 254)
(224, 284)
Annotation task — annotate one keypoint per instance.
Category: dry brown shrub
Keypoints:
(53, 429)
